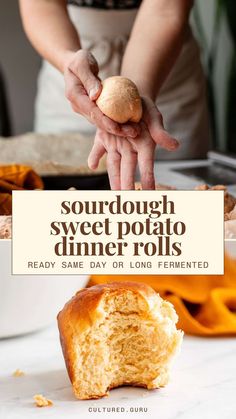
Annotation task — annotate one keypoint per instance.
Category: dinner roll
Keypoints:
(115, 334)
(120, 100)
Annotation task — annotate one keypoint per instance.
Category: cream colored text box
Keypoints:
(136, 232)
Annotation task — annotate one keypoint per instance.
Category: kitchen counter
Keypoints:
(203, 383)
(181, 175)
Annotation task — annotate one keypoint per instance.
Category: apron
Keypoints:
(182, 99)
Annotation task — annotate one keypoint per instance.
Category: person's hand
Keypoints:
(155, 125)
(123, 154)
(82, 88)
(122, 157)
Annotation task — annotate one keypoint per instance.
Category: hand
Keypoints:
(82, 88)
(124, 153)
(154, 122)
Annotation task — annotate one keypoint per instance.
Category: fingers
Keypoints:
(146, 169)
(97, 118)
(113, 169)
(130, 130)
(105, 142)
(122, 156)
(127, 167)
(85, 68)
(82, 104)
(107, 124)
(146, 162)
(154, 121)
(163, 138)
(83, 88)
(95, 155)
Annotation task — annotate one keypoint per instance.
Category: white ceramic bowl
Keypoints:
(31, 302)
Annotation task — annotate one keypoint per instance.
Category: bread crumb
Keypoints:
(18, 373)
(41, 401)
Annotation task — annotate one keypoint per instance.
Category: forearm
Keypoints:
(50, 30)
(155, 43)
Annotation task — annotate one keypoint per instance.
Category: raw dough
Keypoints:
(120, 100)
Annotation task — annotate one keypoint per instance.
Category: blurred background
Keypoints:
(214, 23)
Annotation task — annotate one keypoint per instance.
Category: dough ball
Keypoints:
(115, 334)
(120, 100)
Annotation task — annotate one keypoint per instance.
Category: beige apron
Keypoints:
(182, 99)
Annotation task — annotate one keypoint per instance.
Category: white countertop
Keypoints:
(203, 383)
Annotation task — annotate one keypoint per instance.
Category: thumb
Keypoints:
(85, 67)
(93, 87)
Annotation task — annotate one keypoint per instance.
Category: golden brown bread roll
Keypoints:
(120, 100)
(117, 334)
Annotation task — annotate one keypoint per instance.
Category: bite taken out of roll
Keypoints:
(116, 334)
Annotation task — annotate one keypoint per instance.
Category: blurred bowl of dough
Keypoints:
(31, 302)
